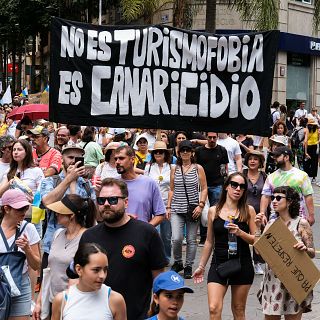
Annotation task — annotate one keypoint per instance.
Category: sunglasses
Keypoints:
(278, 198)
(235, 185)
(255, 190)
(111, 200)
(158, 151)
(23, 209)
(7, 147)
(185, 150)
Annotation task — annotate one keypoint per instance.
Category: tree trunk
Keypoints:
(5, 66)
(42, 84)
(19, 51)
(14, 48)
(178, 13)
(33, 65)
(211, 14)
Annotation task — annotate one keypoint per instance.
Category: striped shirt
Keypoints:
(179, 200)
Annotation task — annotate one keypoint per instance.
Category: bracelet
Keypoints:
(200, 205)
(257, 234)
(168, 207)
(202, 202)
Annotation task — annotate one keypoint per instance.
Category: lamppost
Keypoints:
(100, 12)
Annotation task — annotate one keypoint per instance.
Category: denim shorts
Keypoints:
(21, 306)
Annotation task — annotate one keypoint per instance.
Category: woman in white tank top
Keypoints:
(90, 298)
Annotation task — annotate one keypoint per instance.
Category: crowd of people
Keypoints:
(119, 204)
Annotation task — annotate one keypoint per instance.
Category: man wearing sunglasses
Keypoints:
(134, 248)
(6, 143)
(287, 175)
(145, 201)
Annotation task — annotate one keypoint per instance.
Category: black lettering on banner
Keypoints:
(161, 77)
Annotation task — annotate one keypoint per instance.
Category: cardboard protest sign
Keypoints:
(294, 268)
(161, 77)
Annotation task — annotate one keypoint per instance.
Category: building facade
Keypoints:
(297, 68)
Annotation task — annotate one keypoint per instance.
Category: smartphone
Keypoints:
(81, 159)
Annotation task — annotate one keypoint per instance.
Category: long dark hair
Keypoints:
(27, 161)
(292, 197)
(242, 203)
(88, 134)
(86, 212)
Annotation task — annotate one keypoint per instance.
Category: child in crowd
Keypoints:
(168, 296)
(90, 296)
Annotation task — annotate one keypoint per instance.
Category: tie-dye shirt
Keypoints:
(295, 178)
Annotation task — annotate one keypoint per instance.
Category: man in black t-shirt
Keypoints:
(135, 250)
(214, 160)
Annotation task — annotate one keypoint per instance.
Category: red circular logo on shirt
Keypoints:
(128, 251)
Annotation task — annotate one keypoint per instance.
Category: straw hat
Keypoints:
(65, 206)
(279, 139)
(312, 121)
(160, 145)
(256, 153)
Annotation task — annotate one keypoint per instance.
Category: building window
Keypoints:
(305, 1)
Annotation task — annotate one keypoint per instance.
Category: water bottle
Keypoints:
(232, 240)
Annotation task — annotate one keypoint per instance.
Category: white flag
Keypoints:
(7, 98)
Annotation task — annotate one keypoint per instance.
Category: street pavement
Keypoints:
(195, 305)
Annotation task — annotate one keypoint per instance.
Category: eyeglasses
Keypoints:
(111, 200)
(185, 150)
(255, 190)
(278, 198)
(235, 185)
(158, 151)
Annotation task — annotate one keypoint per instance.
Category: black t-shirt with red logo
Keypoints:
(134, 250)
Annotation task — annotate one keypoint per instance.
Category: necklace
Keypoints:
(186, 166)
(68, 242)
(42, 154)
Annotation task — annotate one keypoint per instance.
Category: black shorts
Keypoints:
(243, 277)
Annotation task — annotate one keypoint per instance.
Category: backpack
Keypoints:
(295, 140)
(271, 119)
(5, 296)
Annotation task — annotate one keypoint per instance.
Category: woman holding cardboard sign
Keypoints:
(274, 297)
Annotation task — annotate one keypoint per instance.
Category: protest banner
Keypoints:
(161, 77)
(294, 268)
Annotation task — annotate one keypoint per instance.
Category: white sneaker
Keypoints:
(184, 242)
(318, 184)
(258, 269)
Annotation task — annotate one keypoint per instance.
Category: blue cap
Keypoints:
(170, 281)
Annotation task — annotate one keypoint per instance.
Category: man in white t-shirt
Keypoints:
(301, 112)
(234, 152)
(314, 115)
(275, 113)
